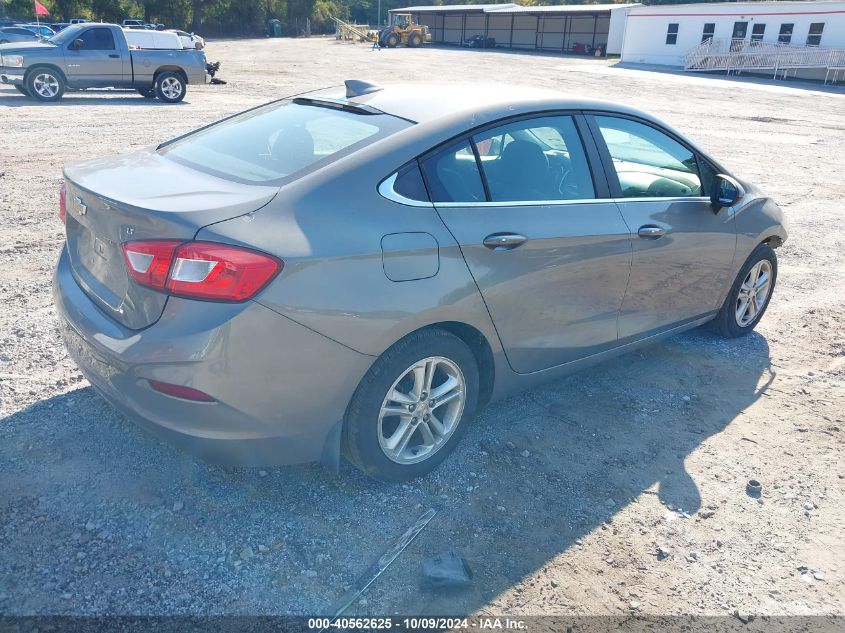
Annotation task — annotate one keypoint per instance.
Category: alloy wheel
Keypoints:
(171, 87)
(422, 409)
(753, 292)
(46, 85)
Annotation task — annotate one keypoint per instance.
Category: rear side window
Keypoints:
(452, 175)
(279, 141)
(535, 160)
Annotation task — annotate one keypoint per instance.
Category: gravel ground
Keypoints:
(620, 489)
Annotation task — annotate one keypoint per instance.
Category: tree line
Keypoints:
(223, 18)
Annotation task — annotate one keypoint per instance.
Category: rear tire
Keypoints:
(749, 295)
(415, 40)
(45, 84)
(170, 87)
(392, 40)
(395, 429)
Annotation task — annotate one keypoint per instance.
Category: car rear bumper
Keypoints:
(280, 390)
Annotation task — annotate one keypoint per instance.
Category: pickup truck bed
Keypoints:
(94, 55)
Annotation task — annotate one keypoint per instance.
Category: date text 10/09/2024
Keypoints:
(416, 623)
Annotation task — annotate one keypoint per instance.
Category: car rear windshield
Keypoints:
(280, 141)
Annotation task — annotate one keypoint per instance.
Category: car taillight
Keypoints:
(200, 270)
(62, 202)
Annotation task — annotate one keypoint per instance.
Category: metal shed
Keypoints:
(574, 28)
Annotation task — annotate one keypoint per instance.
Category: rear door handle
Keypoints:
(504, 241)
(650, 231)
(114, 56)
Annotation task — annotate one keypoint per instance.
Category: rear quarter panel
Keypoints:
(328, 228)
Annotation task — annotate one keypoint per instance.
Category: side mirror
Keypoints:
(78, 44)
(725, 192)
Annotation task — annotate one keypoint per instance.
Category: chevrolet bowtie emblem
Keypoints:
(81, 206)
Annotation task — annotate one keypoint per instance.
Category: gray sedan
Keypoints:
(356, 271)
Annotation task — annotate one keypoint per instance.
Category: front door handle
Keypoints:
(650, 231)
(504, 241)
(112, 55)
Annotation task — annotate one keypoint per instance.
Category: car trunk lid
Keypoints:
(141, 196)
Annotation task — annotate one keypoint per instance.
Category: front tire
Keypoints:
(22, 89)
(412, 407)
(749, 295)
(392, 40)
(45, 84)
(170, 87)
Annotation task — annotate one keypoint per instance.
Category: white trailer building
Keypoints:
(665, 34)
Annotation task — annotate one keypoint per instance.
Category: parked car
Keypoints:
(9, 22)
(42, 30)
(79, 20)
(479, 41)
(133, 23)
(60, 26)
(98, 55)
(189, 40)
(10, 34)
(359, 271)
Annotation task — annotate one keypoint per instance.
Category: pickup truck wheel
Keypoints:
(45, 84)
(22, 89)
(147, 93)
(170, 87)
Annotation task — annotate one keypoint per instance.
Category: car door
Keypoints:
(683, 249)
(98, 62)
(548, 249)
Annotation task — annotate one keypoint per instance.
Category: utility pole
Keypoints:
(378, 18)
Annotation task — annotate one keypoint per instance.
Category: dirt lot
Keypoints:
(560, 499)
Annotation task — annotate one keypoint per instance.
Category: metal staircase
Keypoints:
(737, 55)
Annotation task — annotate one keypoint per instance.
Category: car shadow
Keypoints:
(13, 99)
(99, 517)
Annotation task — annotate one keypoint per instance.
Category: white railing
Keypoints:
(738, 55)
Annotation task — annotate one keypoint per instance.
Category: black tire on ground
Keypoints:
(726, 322)
(22, 89)
(147, 93)
(392, 40)
(361, 444)
(45, 83)
(4, 41)
(170, 87)
(415, 40)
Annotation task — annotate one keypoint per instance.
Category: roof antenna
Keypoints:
(358, 88)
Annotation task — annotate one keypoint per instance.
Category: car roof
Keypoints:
(438, 102)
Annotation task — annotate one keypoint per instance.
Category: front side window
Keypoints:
(452, 175)
(535, 160)
(98, 39)
(708, 32)
(276, 141)
(649, 163)
(785, 34)
(672, 34)
(815, 36)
